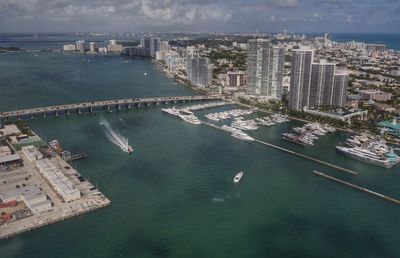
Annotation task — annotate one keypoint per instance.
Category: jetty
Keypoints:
(292, 152)
(359, 188)
(97, 106)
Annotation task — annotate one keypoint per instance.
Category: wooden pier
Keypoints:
(293, 153)
(362, 189)
(97, 106)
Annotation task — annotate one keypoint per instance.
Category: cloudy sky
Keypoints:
(199, 15)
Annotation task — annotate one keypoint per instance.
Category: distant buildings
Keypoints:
(80, 46)
(148, 48)
(265, 65)
(102, 50)
(374, 47)
(314, 85)
(113, 47)
(199, 71)
(69, 48)
(92, 47)
(153, 45)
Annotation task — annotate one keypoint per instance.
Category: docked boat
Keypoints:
(289, 137)
(238, 176)
(56, 146)
(388, 160)
(242, 136)
(171, 111)
(190, 119)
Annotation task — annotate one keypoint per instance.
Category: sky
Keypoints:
(199, 15)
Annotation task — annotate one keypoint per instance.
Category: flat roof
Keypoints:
(9, 158)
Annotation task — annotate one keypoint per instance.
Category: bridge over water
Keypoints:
(96, 106)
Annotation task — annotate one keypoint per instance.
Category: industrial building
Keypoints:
(31, 195)
(58, 180)
(32, 153)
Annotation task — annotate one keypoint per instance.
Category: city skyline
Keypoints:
(202, 16)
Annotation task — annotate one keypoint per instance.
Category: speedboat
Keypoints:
(128, 149)
(237, 178)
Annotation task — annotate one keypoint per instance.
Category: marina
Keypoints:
(370, 149)
(307, 134)
(339, 168)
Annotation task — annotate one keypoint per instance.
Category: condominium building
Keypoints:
(92, 47)
(314, 85)
(113, 46)
(199, 71)
(80, 46)
(265, 64)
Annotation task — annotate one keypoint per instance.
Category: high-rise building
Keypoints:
(153, 45)
(236, 79)
(113, 46)
(275, 73)
(265, 64)
(315, 85)
(92, 47)
(69, 47)
(164, 46)
(199, 71)
(340, 84)
(321, 84)
(300, 78)
(80, 46)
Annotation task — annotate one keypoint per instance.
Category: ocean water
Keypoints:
(174, 196)
(392, 40)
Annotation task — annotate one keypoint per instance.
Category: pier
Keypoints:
(97, 106)
(362, 189)
(294, 153)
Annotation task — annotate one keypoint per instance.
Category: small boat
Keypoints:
(145, 74)
(237, 178)
(128, 149)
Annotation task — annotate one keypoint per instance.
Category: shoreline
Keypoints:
(90, 199)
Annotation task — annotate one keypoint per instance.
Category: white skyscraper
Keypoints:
(316, 85)
(265, 65)
(80, 46)
(199, 71)
(92, 47)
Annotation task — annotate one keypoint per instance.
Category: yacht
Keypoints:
(171, 111)
(190, 119)
(388, 160)
(242, 136)
(238, 176)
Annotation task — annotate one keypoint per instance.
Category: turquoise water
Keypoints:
(174, 196)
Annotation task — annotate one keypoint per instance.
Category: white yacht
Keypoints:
(238, 176)
(190, 119)
(242, 136)
(171, 111)
(388, 160)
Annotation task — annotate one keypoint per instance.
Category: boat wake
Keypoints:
(115, 137)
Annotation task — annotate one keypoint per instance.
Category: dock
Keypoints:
(97, 106)
(77, 156)
(362, 189)
(293, 153)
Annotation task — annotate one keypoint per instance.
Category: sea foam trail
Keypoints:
(114, 136)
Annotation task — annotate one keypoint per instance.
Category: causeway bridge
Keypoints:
(97, 106)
